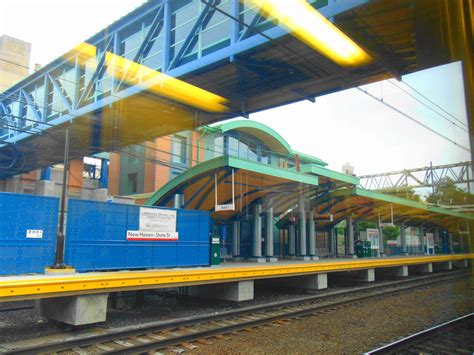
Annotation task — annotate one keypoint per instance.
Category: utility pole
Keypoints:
(59, 261)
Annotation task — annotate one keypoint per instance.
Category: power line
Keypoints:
(432, 102)
(414, 120)
(429, 107)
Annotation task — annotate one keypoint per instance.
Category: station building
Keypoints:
(269, 201)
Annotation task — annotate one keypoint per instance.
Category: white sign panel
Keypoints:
(429, 240)
(157, 220)
(229, 207)
(149, 236)
(34, 233)
(373, 237)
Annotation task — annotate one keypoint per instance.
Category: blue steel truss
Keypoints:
(175, 37)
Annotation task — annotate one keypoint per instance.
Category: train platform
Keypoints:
(23, 287)
(82, 298)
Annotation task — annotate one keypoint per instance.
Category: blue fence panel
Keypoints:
(23, 252)
(96, 239)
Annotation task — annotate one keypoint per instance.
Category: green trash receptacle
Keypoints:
(359, 249)
(367, 249)
(215, 250)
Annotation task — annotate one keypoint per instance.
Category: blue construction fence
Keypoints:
(96, 238)
(28, 228)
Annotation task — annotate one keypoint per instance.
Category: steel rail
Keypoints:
(415, 339)
(304, 303)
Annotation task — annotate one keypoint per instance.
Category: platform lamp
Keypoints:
(59, 258)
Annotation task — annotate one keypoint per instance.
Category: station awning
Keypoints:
(249, 182)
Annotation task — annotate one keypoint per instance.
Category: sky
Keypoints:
(347, 126)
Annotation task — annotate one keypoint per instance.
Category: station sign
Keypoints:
(157, 220)
(373, 238)
(228, 207)
(34, 233)
(151, 236)
(155, 224)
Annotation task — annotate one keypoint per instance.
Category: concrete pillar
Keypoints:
(312, 236)
(403, 239)
(461, 264)
(367, 275)
(350, 236)
(236, 239)
(14, 185)
(291, 240)
(75, 310)
(302, 229)
(178, 201)
(308, 282)
(99, 195)
(444, 266)
(423, 268)
(401, 271)
(44, 188)
(257, 232)
(269, 252)
(229, 291)
(422, 239)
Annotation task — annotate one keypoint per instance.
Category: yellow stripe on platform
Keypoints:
(44, 286)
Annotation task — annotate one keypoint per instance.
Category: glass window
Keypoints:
(132, 183)
(233, 146)
(179, 150)
(219, 146)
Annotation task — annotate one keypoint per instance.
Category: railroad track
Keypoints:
(454, 336)
(184, 331)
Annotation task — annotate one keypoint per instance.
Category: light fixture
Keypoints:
(313, 29)
(136, 74)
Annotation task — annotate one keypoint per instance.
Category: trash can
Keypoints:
(367, 249)
(359, 248)
(215, 250)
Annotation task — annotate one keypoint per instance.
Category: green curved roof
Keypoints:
(266, 134)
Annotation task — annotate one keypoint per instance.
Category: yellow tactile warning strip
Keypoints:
(43, 286)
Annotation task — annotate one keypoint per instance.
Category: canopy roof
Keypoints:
(324, 192)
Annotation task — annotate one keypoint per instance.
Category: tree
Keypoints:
(450, 194)
(403, 192)
(391, 232)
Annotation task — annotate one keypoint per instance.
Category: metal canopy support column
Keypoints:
(403, 239)
(422, 239)
(269, 252)
(381, 243)
(104, 174)
(436, 235)
(236, 239)
(312, 237)
(302, 231)
(178, 201)
(450, 243)
(291, 240)
(350, 236)
(333, 236)
(257, 232)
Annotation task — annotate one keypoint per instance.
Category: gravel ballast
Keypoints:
(357, 328)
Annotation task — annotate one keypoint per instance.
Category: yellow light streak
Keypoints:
(313, 29)
(136, 74)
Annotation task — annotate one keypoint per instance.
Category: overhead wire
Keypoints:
(413, 119)
(429, 107)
